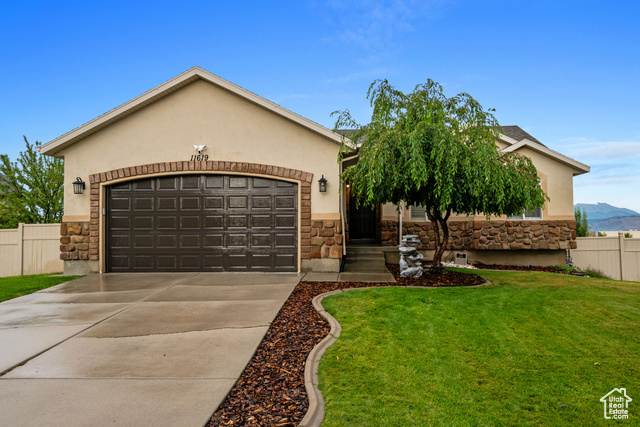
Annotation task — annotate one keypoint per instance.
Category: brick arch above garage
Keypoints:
(156, 169)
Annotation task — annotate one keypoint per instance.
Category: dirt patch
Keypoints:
(519, 268)
(271, 390)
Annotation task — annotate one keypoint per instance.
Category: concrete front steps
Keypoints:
(365, 259)
(364, 263)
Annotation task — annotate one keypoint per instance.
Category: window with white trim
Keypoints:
(528, 214)
(418, 213)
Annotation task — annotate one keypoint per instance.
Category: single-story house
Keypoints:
(199, 174)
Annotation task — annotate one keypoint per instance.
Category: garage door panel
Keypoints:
(142, 204)
(237, 202)
(166, 222)
(189, 222)
(167, 241)
(189, 261)
(261, 240)
(261, 221)
(214, 182)
(261, 202)
(238, 221)
(143, 262)
(285, 202)
(190, 182)
(214, 202)
(189, 241)
(143, 222)
(262, 183)
(237, 261)
(167, 183)
(285, 221)
(261, 260)
(144, 184)
(143, 241)
(214, 221)
(237, 182)
(121, 241)
(123, 186)
(285, 240)
(120, 262)
(167, 262)
(213, 241)
(237, 240)
(167, 203)
(202, 223)
(285, 261)
(120, 222)
(214, 262)
(190, 203)
(121, 204)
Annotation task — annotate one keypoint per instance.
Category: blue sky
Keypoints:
(568, 72)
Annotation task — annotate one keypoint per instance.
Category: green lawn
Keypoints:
(530, 349)
(15, 286)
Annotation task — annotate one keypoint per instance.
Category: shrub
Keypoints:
(628, 235)
(601, 234)
(595, 272)
(563, 268)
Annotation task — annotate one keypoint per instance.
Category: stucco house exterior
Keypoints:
(199, 174)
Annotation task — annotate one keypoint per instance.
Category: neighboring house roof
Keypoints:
(516, 133)
(53, 147)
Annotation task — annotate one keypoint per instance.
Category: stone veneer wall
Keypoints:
(74, 241)
(326, 239)
(90, 232)
(490, 235)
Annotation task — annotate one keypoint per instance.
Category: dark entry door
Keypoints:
(362, 221)
(202, 223)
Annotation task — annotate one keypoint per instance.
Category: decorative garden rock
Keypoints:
(410, 258)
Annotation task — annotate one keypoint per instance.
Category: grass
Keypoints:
(16, 286)
(531, 349)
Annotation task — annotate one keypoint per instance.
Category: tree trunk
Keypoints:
(439, 222)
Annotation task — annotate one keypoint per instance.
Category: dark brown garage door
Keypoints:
(202, 223)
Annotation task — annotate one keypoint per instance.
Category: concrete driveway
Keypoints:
(132, 349)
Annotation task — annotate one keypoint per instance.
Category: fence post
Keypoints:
(21, 247)
(621, 243)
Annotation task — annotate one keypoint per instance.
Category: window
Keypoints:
(418, 213)
(528, 214)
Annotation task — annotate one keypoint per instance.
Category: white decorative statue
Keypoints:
(410, 258)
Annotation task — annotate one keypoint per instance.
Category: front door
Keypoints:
(362, 221)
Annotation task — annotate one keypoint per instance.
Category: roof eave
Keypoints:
(578, 167)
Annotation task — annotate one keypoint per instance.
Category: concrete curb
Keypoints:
(315, 414)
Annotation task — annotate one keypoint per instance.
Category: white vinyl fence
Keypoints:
(616, 256)
(30, 249)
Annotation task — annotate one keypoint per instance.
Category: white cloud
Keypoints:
(615, 171)
(373, 24)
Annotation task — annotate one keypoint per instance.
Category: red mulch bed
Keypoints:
(270, 391)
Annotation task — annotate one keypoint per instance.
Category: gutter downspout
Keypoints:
(400, 215)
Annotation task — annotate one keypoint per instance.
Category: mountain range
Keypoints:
(603, 216)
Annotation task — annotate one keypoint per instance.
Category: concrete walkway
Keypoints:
(132, 349)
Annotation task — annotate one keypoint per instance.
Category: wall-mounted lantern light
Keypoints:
(78, 186)
(322, 182)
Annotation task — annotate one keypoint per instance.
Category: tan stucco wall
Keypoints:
(558, 180)
(232, 128)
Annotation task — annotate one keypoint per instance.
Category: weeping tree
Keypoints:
(426, 149)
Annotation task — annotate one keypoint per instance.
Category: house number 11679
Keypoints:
(199, 157)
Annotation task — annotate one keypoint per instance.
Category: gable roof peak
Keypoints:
(53, 147)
